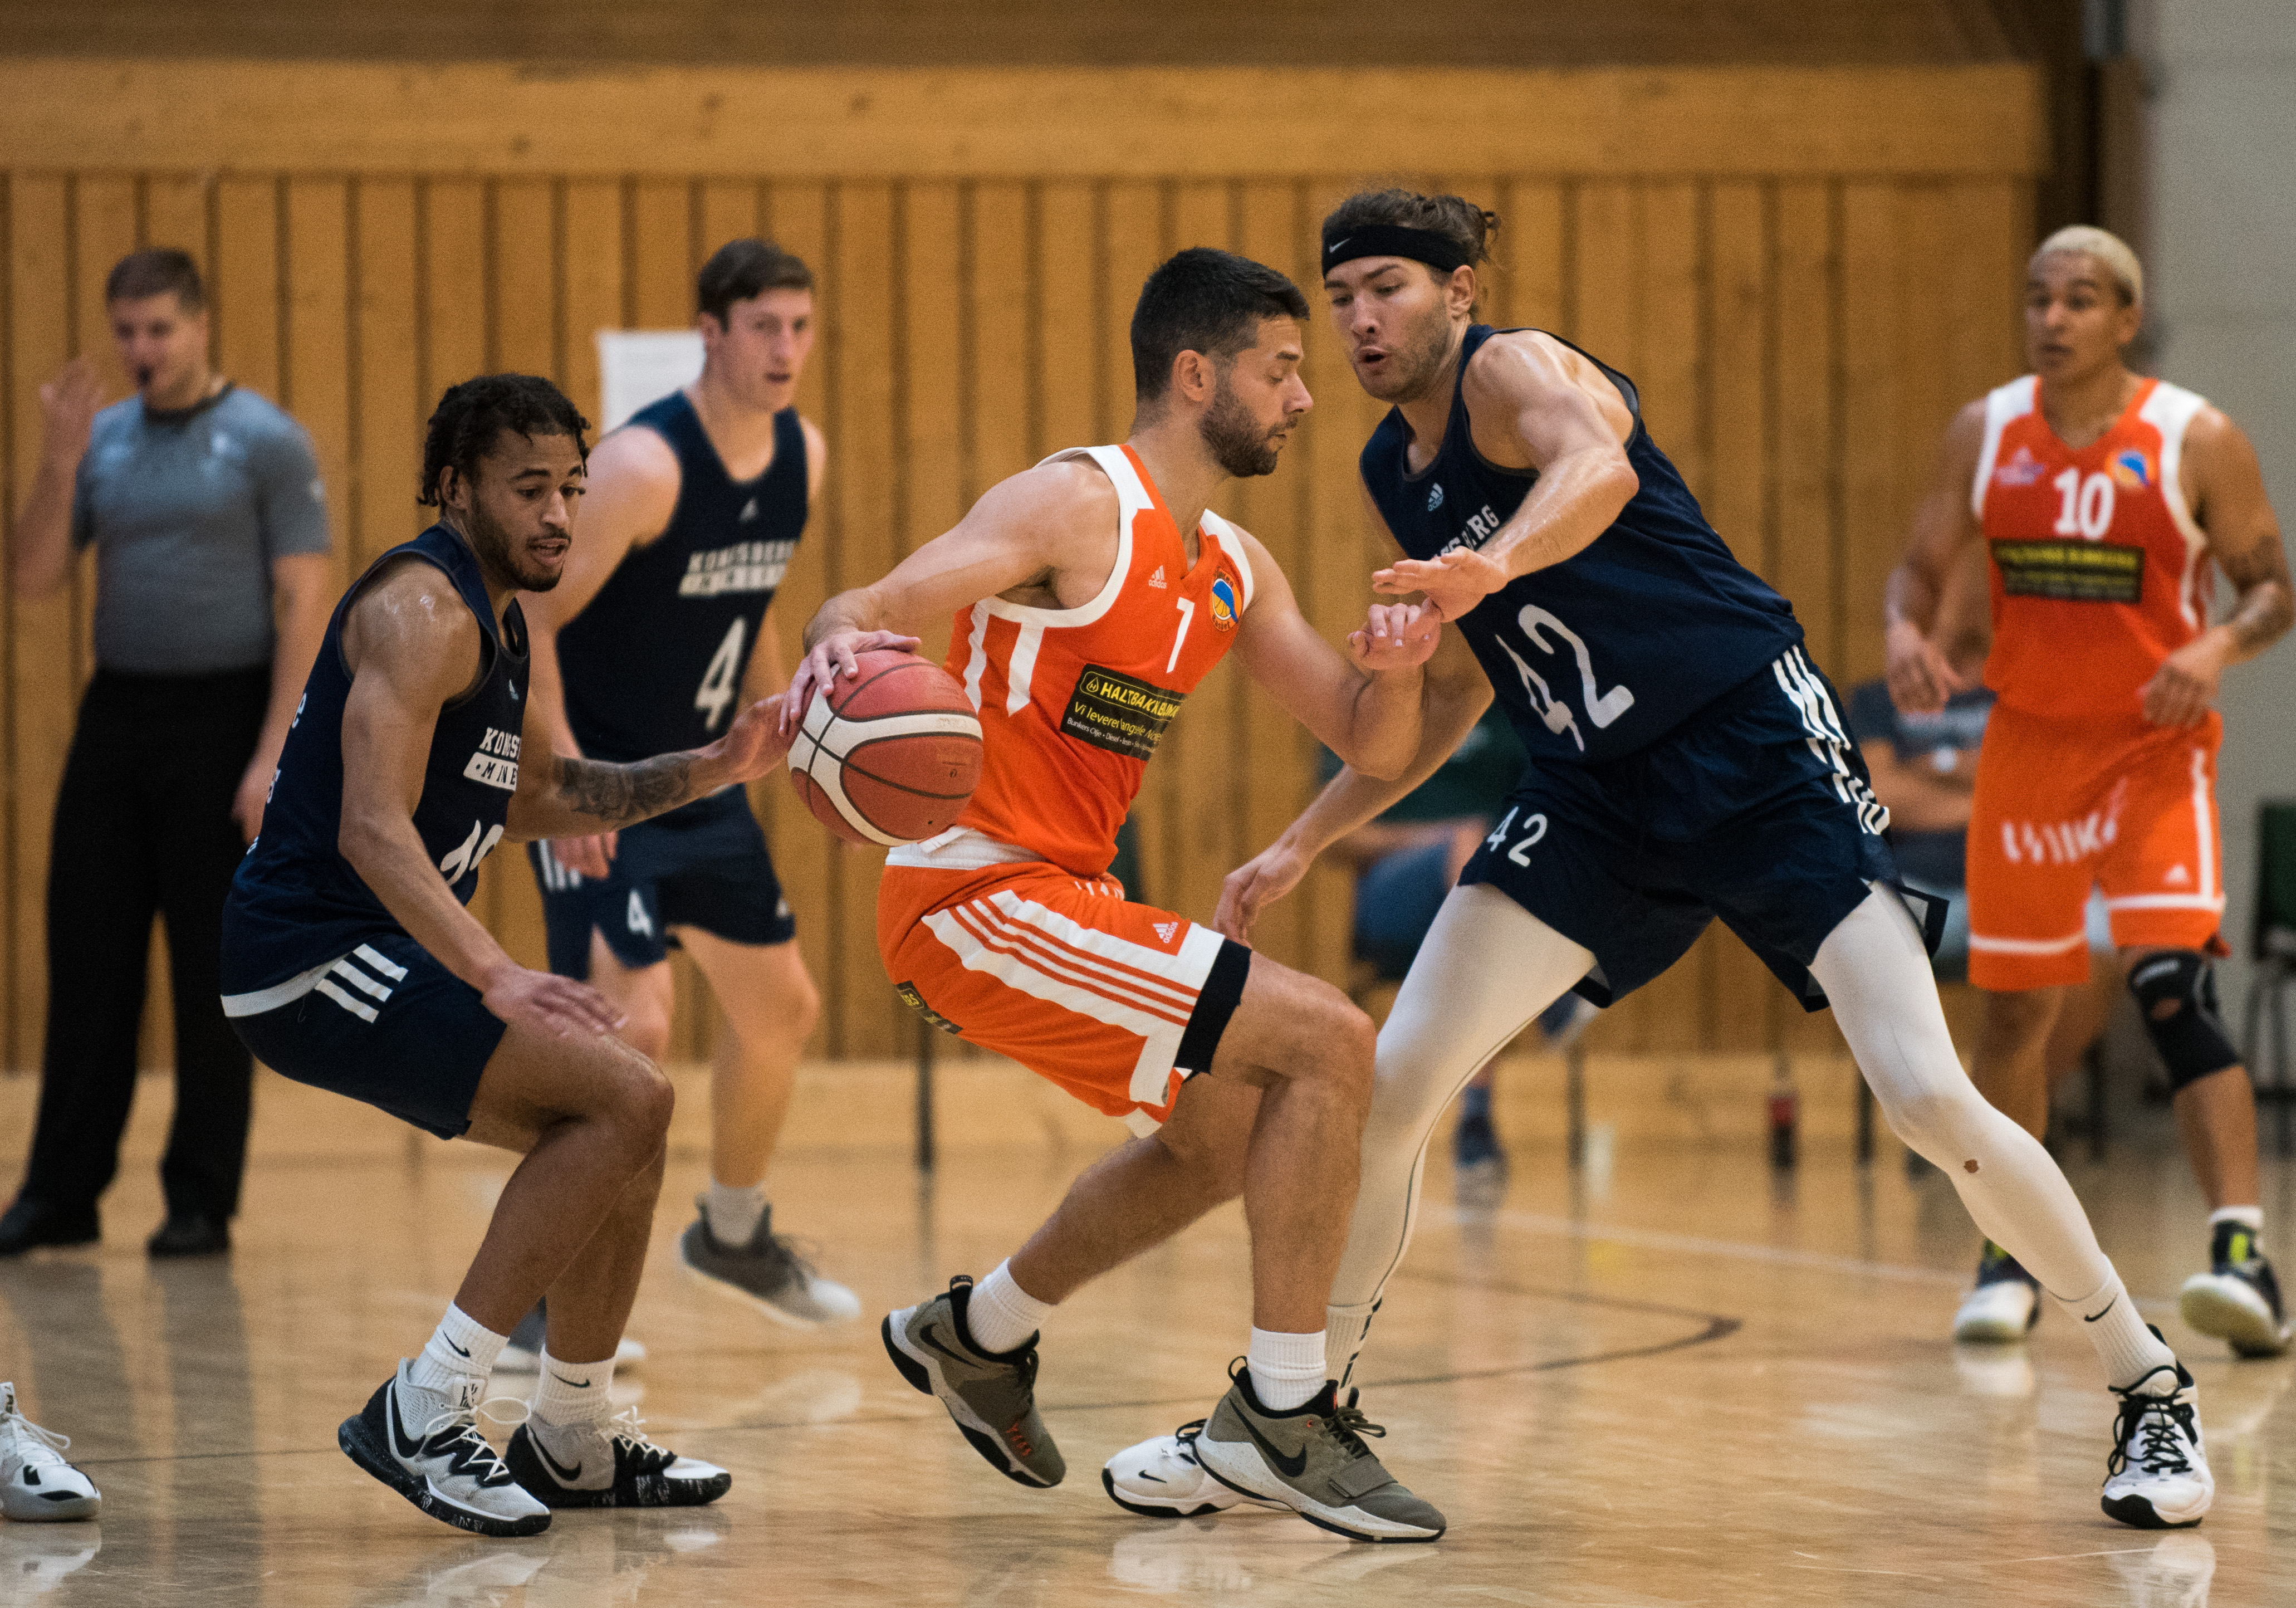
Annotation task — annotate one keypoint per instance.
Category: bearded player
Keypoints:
(1090, 594)
(2106, 500)
(1687, 762)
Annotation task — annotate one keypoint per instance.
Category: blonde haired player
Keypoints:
(1090, 594)
(2106, 499)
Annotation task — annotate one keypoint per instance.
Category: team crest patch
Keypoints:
(1224, 602)
(2133, 470)
(2022, 468)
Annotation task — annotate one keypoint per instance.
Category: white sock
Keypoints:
(1287, 1370)
(572, 1393)
(2127, 1348)
(1001, 1316)
(1345, 1329)
(460, 1350)
(2250, 1218)
(733, 1214)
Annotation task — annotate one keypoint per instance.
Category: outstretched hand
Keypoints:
(756, 742)
(547, 1004)
(834, 655)
(1256, 884)
(1395, 637)
(1452, 582)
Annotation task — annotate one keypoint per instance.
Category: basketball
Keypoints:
(888, 756)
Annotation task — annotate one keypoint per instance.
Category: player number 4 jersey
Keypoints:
(2100, 571)
(1073, 701)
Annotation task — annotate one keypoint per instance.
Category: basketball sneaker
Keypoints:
(2238, 1299)
(521, 1353)
(2004, 1304)
(607, 1464)
(37, 1485)
(2158, 1476)
(425, 1445)
(1161, 1478)
(1312, 1460)
(767, 1271)
(992, 1396)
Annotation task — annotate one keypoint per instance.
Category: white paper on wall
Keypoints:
(638, 366)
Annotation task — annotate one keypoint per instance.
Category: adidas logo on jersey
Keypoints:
(2022, 468)
(1164, 931)
(749, 512)
(1434, 498)
(2178, 877)
(1157, 579)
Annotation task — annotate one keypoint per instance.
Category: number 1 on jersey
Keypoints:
(719, 681)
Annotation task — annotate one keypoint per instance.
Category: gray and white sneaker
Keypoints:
(992, 1396)
(767, 1272)
(425, 1445)
(37, 1485)
(609, 1464)
(2158, 1476)
(1312, 1460)
(1162, 1477)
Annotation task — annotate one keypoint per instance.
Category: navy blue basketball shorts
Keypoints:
(702, 865)
(1757, 809)
(384, 1023)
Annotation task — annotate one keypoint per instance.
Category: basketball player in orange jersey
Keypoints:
(1091, 594)
(2104, 497)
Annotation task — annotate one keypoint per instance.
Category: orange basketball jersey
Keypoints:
(2099, 568)
(1073, 701)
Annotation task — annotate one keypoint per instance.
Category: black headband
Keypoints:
(1438, 251)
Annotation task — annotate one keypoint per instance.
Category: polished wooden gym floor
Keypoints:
(1667, 1376)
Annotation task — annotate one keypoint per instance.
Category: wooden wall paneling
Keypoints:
(594, 288)
(727, 209)
(103, 219)
(661, 245)
(1527, 270)
(247, 288)
(935, 337)
(866, 247)
(176, 212)
(1069, 340)
(42, 676)
(1983, 330)
(314, 378)
(1133, 239)
(1917, 346)
(1813, 395)
(389, 401)
(995, 253)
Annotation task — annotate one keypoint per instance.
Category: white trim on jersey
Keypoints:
(318, 980)
(2027, 946)
(1021, 667)
(1132, 499)
(959, 848)
(2204, 836)
(1827, 740)
(2165, 901)
(2170, 409)
(976, 654)
(2003, 405)
(1231, 541)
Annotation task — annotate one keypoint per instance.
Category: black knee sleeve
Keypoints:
(2177, 992)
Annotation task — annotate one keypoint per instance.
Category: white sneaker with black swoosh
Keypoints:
(2157, 1477)
(608, 1464)
(425, 1445)
(1161, 1478)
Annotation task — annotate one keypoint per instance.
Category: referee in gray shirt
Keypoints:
(212, 591)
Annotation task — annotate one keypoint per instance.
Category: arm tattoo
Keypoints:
(2264, 611)
(619, 794)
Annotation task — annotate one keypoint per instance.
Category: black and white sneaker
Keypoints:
(768, 1271)
(2158, 1476)
(2002, 1306)
(609, 1464)
(2238, 1299)
(426, 1445)
(1162, 1477)
(37, 1485)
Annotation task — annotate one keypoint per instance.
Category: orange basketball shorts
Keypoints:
(1115, 1001)
(2061, 806)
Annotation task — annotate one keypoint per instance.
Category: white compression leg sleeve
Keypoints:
(1877, 975)
(1486, 971)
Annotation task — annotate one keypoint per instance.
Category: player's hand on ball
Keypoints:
(1453, 584)
(757, 742)
(1395, 637)
(592, 857)
(834, 655)
(1256, 884)
(542, 1003)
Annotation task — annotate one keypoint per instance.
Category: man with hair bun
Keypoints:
(660, 631)
(1687, 761)
(2107, 500)
(351, 964)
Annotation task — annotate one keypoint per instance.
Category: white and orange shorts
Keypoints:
(2065, 805)
(1117, 1003)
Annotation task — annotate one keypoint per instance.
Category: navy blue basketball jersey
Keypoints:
(1604, 653)
(654, 663)
(296, 900)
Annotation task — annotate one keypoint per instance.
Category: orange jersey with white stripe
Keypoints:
(2099, 567)
(1073, 701)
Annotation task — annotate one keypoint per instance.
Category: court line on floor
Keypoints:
(1691, 1245)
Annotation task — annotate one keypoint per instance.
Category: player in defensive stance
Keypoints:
(1091, 594)
(1687, 761)
(661, 632)
(2102, 497)
(351, 964)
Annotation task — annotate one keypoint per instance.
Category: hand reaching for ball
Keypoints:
(837, 654)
